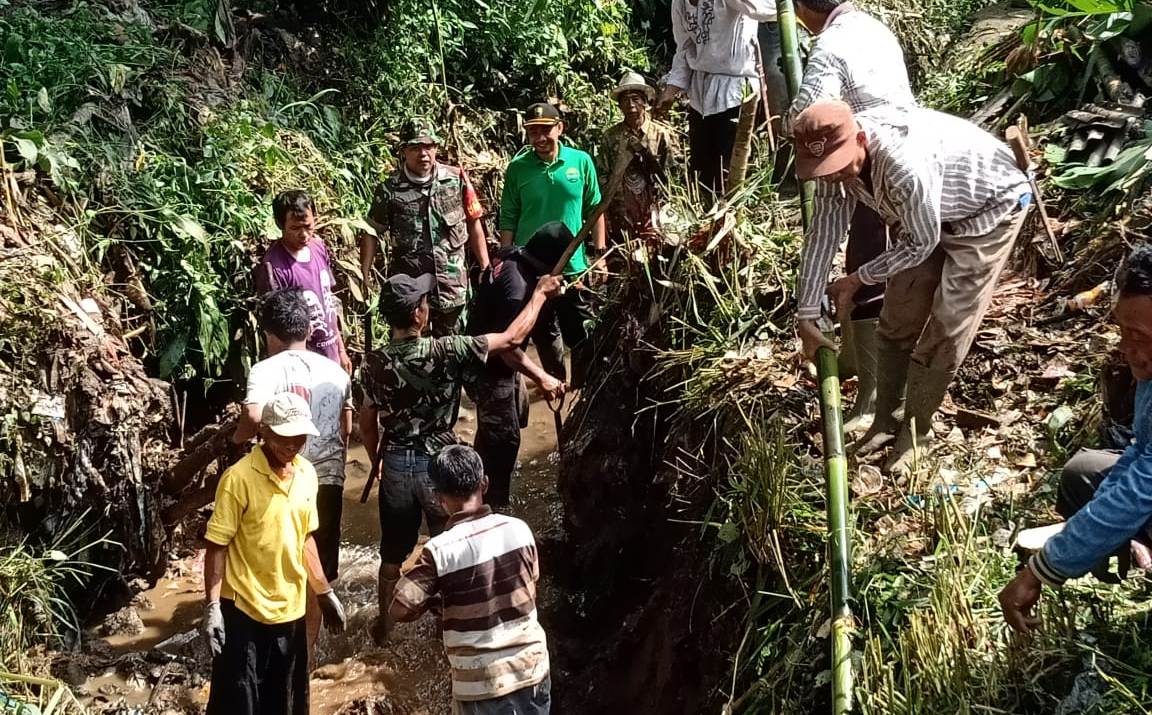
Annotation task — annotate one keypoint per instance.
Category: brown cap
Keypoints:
(825, 137)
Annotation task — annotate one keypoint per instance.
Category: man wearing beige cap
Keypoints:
(634, 211)
(260, 561)
(956, 193)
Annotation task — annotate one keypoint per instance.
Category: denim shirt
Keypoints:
(1119, 509)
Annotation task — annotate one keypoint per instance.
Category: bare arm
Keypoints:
(519, 361)
(248, 424)
(369, 431)
(478, 242)
(316, 578)
(345, 424)
(517, 332)
(367, 256)
(215, 559)
(506, 238)
(599, 241)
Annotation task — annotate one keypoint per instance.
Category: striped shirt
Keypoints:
(856, 59)
(929, 170)
(484, 568)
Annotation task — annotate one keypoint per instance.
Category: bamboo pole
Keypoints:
(793, 73)
(835, 464)
(742, 147)
(839, 557)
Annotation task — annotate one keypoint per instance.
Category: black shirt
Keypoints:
(500, 299)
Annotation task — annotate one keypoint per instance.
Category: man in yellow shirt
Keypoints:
(260, 561)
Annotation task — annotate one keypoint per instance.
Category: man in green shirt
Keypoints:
(548, 182)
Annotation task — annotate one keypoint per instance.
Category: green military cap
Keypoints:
(418, 131)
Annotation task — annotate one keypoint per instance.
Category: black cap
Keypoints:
(542, 114)
(549, 242)
(401, 293)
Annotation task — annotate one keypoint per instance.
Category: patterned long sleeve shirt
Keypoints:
(856, 58)
(1119, 509)
(931, 170)
(716, 51)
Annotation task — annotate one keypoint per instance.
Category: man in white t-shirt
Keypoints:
(292, 367)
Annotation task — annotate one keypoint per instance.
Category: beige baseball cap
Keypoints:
(288, 415)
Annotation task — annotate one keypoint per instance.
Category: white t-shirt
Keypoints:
(328, 390)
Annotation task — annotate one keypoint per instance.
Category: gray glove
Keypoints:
(213, 627)
(332, 611)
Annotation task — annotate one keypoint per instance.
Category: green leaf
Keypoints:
(1098, 7)
(173, 355)
(1055, 154)
(728, 532)
(27, 149)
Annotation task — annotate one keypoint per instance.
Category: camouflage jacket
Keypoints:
(427, 228)
(414, 384)
(658, 139)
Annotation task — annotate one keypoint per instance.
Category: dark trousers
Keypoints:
(263, 669)
(1079, 480)
(867, 238)
(497, 399)
(534, 700)
(710, 141)
(330, 510)
(562, 324)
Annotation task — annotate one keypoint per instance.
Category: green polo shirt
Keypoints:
(536, 193)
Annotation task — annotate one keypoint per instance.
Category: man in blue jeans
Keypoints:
(1107, 505)
(411, 401)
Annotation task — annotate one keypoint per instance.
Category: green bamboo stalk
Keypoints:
(793, 73)
(839, 559)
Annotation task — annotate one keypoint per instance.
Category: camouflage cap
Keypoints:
(418, 131)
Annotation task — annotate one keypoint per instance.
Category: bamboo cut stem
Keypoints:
(839, 557)
(793, 73)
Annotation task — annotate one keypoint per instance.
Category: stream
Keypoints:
(409, 676)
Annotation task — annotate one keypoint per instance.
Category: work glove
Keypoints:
(332, 611)
(213, 627)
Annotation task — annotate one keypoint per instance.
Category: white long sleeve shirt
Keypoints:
(930, 170)
(716, 51)
(857, 59)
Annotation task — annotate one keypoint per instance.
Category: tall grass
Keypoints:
(36, 585)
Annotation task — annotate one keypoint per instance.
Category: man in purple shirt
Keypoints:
(300, 259)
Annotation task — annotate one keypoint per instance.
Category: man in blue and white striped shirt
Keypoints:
(958, 196)
(856, 58)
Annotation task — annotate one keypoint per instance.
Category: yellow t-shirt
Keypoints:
(265, 521)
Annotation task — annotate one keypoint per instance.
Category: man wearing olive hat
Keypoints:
(958, 197)
(411, 401)
(429, 213)
(548, 181)
(634, 212)
(260, 561)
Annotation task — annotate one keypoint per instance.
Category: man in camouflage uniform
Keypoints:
(411, 399)
(634, 211)
(428, 212)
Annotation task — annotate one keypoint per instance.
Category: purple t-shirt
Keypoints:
(278, 269)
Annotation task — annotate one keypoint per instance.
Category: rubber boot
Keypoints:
(864, 346)
(385, 590)
(926, 390)
(846, 358)
(889, 395)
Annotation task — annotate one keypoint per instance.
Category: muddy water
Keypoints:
(411, 671)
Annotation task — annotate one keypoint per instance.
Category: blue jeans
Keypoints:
(534, 700)
(405, 496)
